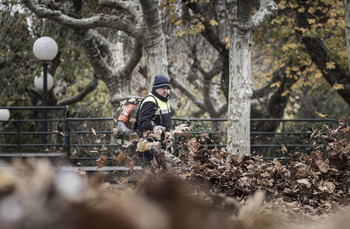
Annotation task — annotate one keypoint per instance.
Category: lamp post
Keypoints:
(45, 49)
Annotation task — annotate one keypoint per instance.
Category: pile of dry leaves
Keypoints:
(316, 183)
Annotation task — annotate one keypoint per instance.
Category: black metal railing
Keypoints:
(85, 138)
(23, 133)
(293, 134)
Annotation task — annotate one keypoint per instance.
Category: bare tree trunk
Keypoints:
(156, 59)
(242, 26)
(347, 26)
(155, 46)
(240, 92)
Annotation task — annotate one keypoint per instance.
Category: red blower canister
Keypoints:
(125, 115)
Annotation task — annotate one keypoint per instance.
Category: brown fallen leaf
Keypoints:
(320, 115)
(123, 157)
(101, 161)
(193, 145)
(180, 129)
(284, 149)
(93, 131)
(61, 133)
(323, 166)
(130, 165)
(74, 153)
(103, 148)
(144, 146)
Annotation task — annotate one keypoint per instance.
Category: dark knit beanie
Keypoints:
(161, 81)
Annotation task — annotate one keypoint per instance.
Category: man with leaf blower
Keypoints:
(155, 115)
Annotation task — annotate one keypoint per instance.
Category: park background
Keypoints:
(299, 69)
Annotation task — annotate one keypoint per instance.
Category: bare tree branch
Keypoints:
(223, 109)
(208, 32)
(134, 60)
(101, 20)
(187, 92)
(152, 21)
(131, 7)
(88, 40)
(215, 70)
(89, 88)
(207, 86)
(267, 11)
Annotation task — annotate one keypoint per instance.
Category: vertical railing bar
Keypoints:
(283, 132)
(175, 139)
(67, 134)
(19, 131)
(64, 127)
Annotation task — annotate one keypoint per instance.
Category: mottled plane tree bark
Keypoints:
(242, 27)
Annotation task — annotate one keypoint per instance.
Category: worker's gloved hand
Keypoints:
(154, 149)
(156, 128)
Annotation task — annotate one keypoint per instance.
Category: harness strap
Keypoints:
(156, 102)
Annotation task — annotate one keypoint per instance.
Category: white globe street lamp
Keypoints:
(39, 82)
(4, 114)
(45, 49)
